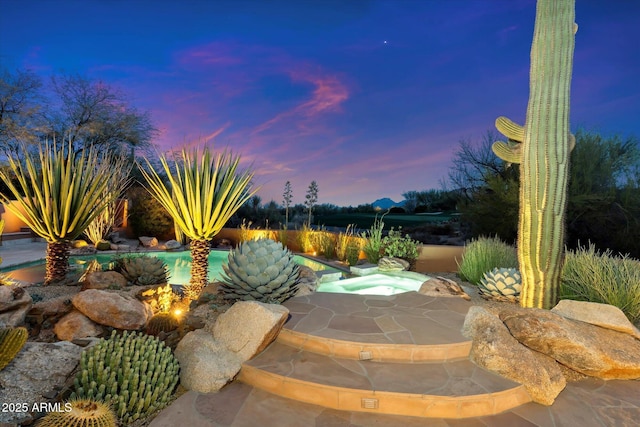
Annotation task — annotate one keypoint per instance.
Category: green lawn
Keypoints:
(364, 221)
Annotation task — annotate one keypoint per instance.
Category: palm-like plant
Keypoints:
(59, 192)
(202, 192)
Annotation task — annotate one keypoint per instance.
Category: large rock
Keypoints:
(392, 264)
(588, 349)
(173, 245)
(248, 327)
(15, 302)
(206, 365)
(104, 280)
(75, 325)
(148, 242)
(307, 281)
(37, 370)
(442, 287)
(112, 309)
(603, 315)
(495, 349)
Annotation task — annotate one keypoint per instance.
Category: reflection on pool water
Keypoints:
(376, 284)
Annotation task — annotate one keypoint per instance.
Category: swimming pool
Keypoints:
(179, 264)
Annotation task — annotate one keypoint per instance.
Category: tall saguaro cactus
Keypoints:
(542, 147)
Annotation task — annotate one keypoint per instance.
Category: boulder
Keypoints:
(392, 264)
(36, 371)
(104, 280)
(75, 325)
(173, 245)
(261, 324)
(585, 348)
(495, 349)
(115, 238)
(442, 287)
(15, 302)
(603, 315)
(148, 242)
(206, 365)
(112, 309)
(307, 281)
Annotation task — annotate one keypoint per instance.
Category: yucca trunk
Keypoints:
(57, 261)
(199, 268)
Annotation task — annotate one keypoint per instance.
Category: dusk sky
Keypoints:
(368, 98)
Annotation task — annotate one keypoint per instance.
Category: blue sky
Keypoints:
(368, 98)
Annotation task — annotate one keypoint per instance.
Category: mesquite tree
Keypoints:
(542, 148)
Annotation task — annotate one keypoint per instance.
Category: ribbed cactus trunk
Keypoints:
(543, 154)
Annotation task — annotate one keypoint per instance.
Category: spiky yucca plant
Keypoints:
(59, 192)
(202, 193)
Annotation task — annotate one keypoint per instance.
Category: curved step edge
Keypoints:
(400, 353)
(385, 402)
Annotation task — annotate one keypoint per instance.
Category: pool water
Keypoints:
(374, 284)
(179, 264)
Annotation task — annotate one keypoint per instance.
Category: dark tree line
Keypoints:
(69, 108)
(604, 192)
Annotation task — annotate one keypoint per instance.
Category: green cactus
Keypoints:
(542, 148)
(260, 270)
(80, 413)
(503, 284)
(135, 373)
(143, 270)
(161, 322)
(11, 342)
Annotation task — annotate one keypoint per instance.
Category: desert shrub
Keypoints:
(484, 254)
(399, 246)
(589, 275)
(147, 216)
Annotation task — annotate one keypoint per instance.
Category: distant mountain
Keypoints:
(386, 203)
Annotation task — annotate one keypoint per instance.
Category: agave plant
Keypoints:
(202, 192)
(260, 270)
(59, 193)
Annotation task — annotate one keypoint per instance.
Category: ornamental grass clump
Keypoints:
(589, 275)
(372, 246)
(483, 255)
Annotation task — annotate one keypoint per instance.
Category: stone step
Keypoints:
(407, 327)
(450, 389)
(377, 352)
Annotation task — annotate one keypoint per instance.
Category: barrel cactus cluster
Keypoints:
(161, 322)
(143, 270)
(133, 372)
(11, 342)
(260, 270)
(81, 413)
(502, 284)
